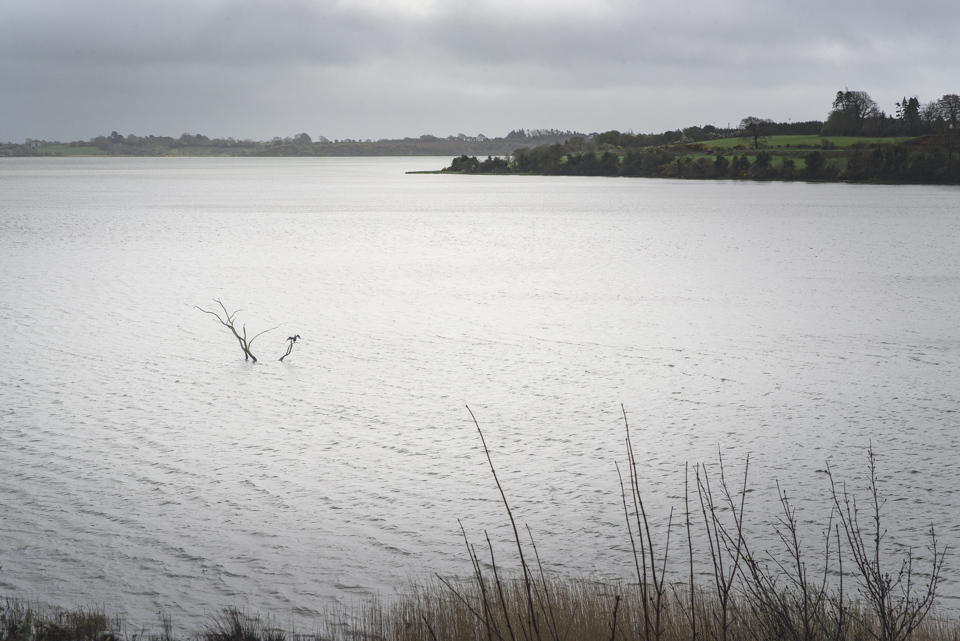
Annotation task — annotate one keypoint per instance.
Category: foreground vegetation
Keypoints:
(580, 610)
(855, 586)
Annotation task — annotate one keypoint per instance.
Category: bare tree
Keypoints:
(726, 541)
(897, 603)
(949, 109)
(946, 112)
(786, 601)
(858, 103)
(228, 321)
(291, 341)
(756, 128)
(652, 591)
(850, 110)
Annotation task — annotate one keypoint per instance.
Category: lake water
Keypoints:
(145, 466)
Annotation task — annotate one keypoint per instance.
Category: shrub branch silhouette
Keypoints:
(228, 321)
(898, 607)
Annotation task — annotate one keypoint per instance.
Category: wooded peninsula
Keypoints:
(857, 143)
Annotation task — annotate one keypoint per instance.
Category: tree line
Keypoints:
(855, 113)
(920, 144)
(302, 144)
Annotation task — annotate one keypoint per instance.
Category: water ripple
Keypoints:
(147, 467)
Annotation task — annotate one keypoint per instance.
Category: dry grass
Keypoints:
(19, 622)
(582, 610)
(579, 610)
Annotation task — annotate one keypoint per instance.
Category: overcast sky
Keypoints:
(74, 69)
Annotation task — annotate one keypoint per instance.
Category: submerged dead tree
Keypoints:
(291, 341)
(228, 321)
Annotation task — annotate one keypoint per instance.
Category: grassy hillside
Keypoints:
(803, 142)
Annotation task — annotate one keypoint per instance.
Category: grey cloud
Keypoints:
(257, 65)
(288, 31)
(186, 32)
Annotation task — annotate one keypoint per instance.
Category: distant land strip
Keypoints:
(302, 144)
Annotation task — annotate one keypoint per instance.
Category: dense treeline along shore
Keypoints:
(853, 584)
(857, 143)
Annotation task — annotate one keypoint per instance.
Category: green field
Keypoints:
(777, 161)
(64, 150)
(801, 142)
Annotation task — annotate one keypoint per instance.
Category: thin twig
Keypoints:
(532, 615)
